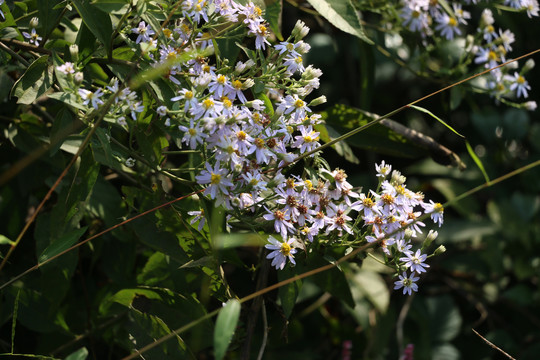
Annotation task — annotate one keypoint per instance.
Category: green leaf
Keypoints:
(376, 138)
(68, 99)
(97, 21)
(341, 14)
(445, 319)
(273, 16)
(48, 15)
(225, 327)
(477, 161)
(288, 293)
(61, 244)
(4, 240)
(37, 79)
(436, 118)
(80, 354)
(226, 46)
(116, 7)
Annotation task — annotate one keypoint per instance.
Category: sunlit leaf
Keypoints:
(37, 79)
(225, 327)
(97, 21)
(341, 14)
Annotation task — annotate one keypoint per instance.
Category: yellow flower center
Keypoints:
(298, 104)
(285, 249)
(188, 95)
(208, 103)
(215, 179)
(221, 79)
(192, 132)
(237, 84)
(452, 22)
(438, 208)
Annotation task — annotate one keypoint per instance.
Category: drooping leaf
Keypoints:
(97, 21)
(477, 161)
(225, 327)
(37, 79)
(341, 14)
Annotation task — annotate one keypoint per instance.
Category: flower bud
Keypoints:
(78, 78)
(311, 73)
(247, 84)
(303, 47)
(441, 249)
(240, 67)
(34, 22)
(408, 233)
(318, 101)
(300, 30)
(529, 65)
(74, 52)
(249, 64)
(530, 105)
(431, 236)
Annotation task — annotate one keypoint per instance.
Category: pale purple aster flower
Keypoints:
(518, 84)
(33, 37)
(415, 262)
(66, 68)
(407, 283)
(144, 31)
(436, 210)
(281, 221)
(383, 170)
(281, 251)
(448, 26)
(199, 216)
(217, 178)
(308, 140)
(91, 97)
(193, 134)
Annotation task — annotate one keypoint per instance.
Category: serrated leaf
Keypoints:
(225, 327)
(37, 79)
(341, 14)
(61, 244)
(97, 21)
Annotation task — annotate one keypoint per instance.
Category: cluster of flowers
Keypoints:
(226, 113)
(304, 213)
(490, 45)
